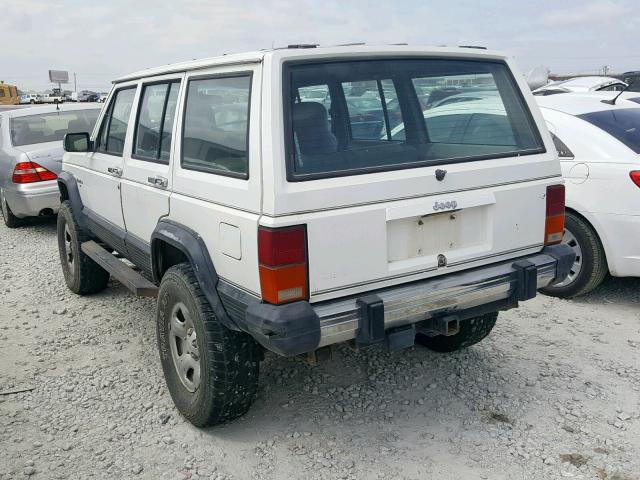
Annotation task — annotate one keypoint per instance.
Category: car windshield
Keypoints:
(51, 127)
(622, 124)
(389, 114)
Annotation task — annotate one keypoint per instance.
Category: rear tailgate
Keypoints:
(464, 186)
(373, 245)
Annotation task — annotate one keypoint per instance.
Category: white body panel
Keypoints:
(98, 181)
(598, 185)
(363, 231)
(360, 253)
(222, 209)
(145, 203)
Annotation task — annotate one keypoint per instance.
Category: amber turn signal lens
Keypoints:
(282, 254)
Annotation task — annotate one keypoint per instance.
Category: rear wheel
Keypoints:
(590, 266)
(10, 220)
(81, 274)
(471, 332)
(211, 371)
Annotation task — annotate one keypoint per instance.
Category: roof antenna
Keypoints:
(613, 100)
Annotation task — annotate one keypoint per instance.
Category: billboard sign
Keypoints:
(58, 76)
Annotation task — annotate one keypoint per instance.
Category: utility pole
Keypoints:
(605, 70)
(75, 86)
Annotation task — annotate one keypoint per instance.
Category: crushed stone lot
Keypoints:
(553, 392)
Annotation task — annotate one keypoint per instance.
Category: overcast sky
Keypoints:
(108, 39)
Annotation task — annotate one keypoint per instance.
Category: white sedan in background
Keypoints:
(599, 148)
(581, 85)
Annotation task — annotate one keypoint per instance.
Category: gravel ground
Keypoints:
(554, 392)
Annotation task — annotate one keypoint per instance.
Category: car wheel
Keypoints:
(590, 266)
(81, 274)
(10, 220)
(471, 332)
(211, 371)
(32, 101)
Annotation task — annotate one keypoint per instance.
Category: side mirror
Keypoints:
(77, 142)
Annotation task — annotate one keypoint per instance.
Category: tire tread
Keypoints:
(91, 277)
(233, 360)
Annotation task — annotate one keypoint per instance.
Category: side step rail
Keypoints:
(126, 275)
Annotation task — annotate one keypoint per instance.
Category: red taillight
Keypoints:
(635, 177)
(554, 225)
(282, 255)
(30, 172)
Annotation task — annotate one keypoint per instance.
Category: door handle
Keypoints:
(115, 171)
(158, 181)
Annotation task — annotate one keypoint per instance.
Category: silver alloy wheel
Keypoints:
(68, 250)
(570, 239)
(184, 347)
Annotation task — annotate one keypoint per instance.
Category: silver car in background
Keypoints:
(31, 157)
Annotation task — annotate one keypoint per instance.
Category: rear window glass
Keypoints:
(51, 127)
(359, 116)
(622, 124)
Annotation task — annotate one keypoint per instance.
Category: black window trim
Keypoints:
(235, 74)
(292, 176)
(108, 112)
(143, 85)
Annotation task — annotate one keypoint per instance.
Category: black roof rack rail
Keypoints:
(477, 47)
(303, 45)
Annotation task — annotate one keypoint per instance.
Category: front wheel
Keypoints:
(81, 274)
(590, 266)
(211, 371)
(471, 332)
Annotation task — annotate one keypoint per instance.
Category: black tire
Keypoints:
(32, 101)
(10, 220)
(81, 274)
(593, 261)
(471, 332)
(228, 361)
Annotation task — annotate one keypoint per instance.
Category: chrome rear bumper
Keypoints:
(339, 321)
(301, 327)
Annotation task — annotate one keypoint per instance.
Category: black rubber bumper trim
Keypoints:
(564, 256)
(287, 330)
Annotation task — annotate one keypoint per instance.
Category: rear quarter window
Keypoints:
(621, 124)
(351, 117)
(215, 134)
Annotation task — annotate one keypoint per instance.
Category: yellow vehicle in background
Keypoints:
(8, 94)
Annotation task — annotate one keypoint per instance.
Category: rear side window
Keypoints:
(360, 116)
(113, 130)
(216, 126)
(155, 122)
(621, 124)
(51, 127)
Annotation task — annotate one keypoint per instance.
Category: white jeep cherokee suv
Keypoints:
(418, 197)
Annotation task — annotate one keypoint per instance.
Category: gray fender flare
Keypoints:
(191, 244)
